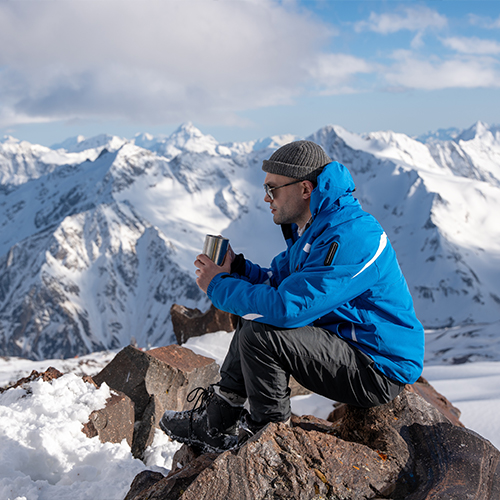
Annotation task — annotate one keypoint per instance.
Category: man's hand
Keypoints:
(208, 269)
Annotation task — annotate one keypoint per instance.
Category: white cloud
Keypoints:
(410, 18)
(334, 72)
(410, 72)
(472, 45)
(155, 61)
(484, 22)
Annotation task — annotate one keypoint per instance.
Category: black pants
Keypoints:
(261, 359)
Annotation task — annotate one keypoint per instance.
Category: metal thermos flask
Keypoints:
(215, 248)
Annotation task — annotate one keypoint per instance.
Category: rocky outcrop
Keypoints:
(189, 323)
(423, 389)
(155, 381)
(406, 449)
(48, 375)
(145, 384)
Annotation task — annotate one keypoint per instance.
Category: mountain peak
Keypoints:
(188, 128)
(68, 143)
(478, 130)
(190, 139)
(79, 143)
(8, 139)
(188, 132)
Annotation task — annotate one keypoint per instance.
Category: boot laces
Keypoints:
(201, 398)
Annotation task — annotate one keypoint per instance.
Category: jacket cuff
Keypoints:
(214, 282)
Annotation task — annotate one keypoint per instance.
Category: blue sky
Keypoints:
(243, 70)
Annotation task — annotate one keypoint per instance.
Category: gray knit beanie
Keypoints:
(299, 160)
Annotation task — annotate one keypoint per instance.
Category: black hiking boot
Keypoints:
(212, 424)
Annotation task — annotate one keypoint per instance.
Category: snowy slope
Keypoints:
(440, 217)
(21, 161)
(99, 235)
(44, 455)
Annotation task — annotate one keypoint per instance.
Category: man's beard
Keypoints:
(286, 216)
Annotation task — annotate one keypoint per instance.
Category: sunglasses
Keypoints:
(269, 190)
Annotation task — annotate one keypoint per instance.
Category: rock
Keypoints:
(142, 482)
(89, 380)
(424, 389)
(177, 482)
(405, 449)
(145, 427)
(114, 422)
(169, 373)
(299, 463)
(50, 374)
(189, 323)
(436, 458)
(182, 457)
(155, 381)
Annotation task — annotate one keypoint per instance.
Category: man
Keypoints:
(333, 310)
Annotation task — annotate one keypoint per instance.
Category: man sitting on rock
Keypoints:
(333, 310)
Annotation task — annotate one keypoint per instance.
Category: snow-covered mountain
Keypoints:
(98, 236)
(439, 204)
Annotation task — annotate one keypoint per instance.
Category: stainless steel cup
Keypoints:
(215, 248)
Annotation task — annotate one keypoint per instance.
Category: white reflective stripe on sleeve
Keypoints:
(252, 316)
(381, 246)
(353, 333)
(307, 247)
(268, 281)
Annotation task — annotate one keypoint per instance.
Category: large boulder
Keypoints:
(423, 389)
(406, 449)
(155, 381)
(189, 323)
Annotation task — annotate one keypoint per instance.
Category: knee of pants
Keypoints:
(252, 335)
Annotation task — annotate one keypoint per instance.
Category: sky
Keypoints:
(245, 69)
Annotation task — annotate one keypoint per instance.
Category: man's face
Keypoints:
(289, 204)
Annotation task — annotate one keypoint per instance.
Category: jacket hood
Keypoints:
(334, 182)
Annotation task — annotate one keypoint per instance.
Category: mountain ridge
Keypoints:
(98, 240)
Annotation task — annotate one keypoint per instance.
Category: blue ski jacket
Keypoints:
(341, 274)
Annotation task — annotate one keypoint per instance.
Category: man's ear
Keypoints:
(307, 189)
